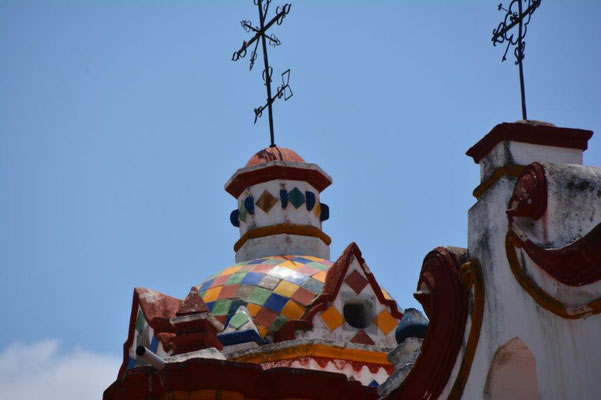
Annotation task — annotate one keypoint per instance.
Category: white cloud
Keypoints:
(40, 371)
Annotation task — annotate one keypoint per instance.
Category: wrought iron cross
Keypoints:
(260, 34)
(517, 14)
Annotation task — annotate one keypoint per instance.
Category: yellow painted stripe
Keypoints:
(316, 350)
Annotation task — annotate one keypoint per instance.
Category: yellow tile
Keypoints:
(317, 210)
(290, 264)
(386, 295)
(262, 330)
(293, 310)
(332, 318)
(320, 276)
(286, 289)
(212, 294)
(386, 322)
(230, 270)
(253, 309)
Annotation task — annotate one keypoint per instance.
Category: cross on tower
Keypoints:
(260, 34)
(517, 14)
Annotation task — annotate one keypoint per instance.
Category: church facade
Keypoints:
(516, 315)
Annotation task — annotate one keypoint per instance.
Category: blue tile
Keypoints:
(310, 196)
(154, 345)
(257, 261)
(235, 218)
(249, 204)
(131, 363)
(302, 260)
(284, 198)
(210, 305)
(374, 383)
(275, 302)
(252, 278)
(206, 285)
(325, 212)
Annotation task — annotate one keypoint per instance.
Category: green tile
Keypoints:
(277, 324)
(313, 285)
(258, 296)
(238, 320)
(296, 197)
(242, 214)
(140, 322)
(221, 307)
(274, 261)
(317, 265)
(235, 278)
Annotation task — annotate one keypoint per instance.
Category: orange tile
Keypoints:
(253, 309)
(262, 330)
(230, 270)
(212, 294)
(386, 322)
(317, 210)
(290, 264)
(286, 289)
(320, 276)
(332, 318)
(293, 310)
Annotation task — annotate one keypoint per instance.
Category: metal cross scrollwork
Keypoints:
(518, 15)
(260, 34)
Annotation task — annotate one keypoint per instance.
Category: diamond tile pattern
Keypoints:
(296, 197)
(266, 201)
(274, 289)
(356, 281)
(332, 318)
(386, 322)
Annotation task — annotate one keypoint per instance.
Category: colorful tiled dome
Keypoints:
(274, 289)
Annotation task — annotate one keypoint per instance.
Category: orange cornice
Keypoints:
(316, 350)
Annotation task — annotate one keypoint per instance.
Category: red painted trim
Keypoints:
(530, 133)
(242, 180)
(529, 198)
(446, 305)
(574, 265)
(157, 314)
(334, 279)
(245, 378)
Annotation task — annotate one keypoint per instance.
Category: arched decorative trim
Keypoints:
(290, 229)
(541, 297)
(577, 264)
(445, 301)
(470, 275)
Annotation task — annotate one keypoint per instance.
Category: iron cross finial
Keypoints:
(260, 34)
(517, 14)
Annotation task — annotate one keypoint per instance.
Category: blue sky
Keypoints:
(121, 121)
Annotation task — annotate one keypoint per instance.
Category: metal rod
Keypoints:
(520, 59)
(151, 358)
(267, 75)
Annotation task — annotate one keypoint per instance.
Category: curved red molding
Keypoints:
(445, 301)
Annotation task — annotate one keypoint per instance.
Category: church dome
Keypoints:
(274, 289)
(274, 154)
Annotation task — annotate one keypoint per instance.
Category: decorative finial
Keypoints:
(517, 14)
(260, 33)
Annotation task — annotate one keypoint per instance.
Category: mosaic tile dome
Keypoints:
(274, 289)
